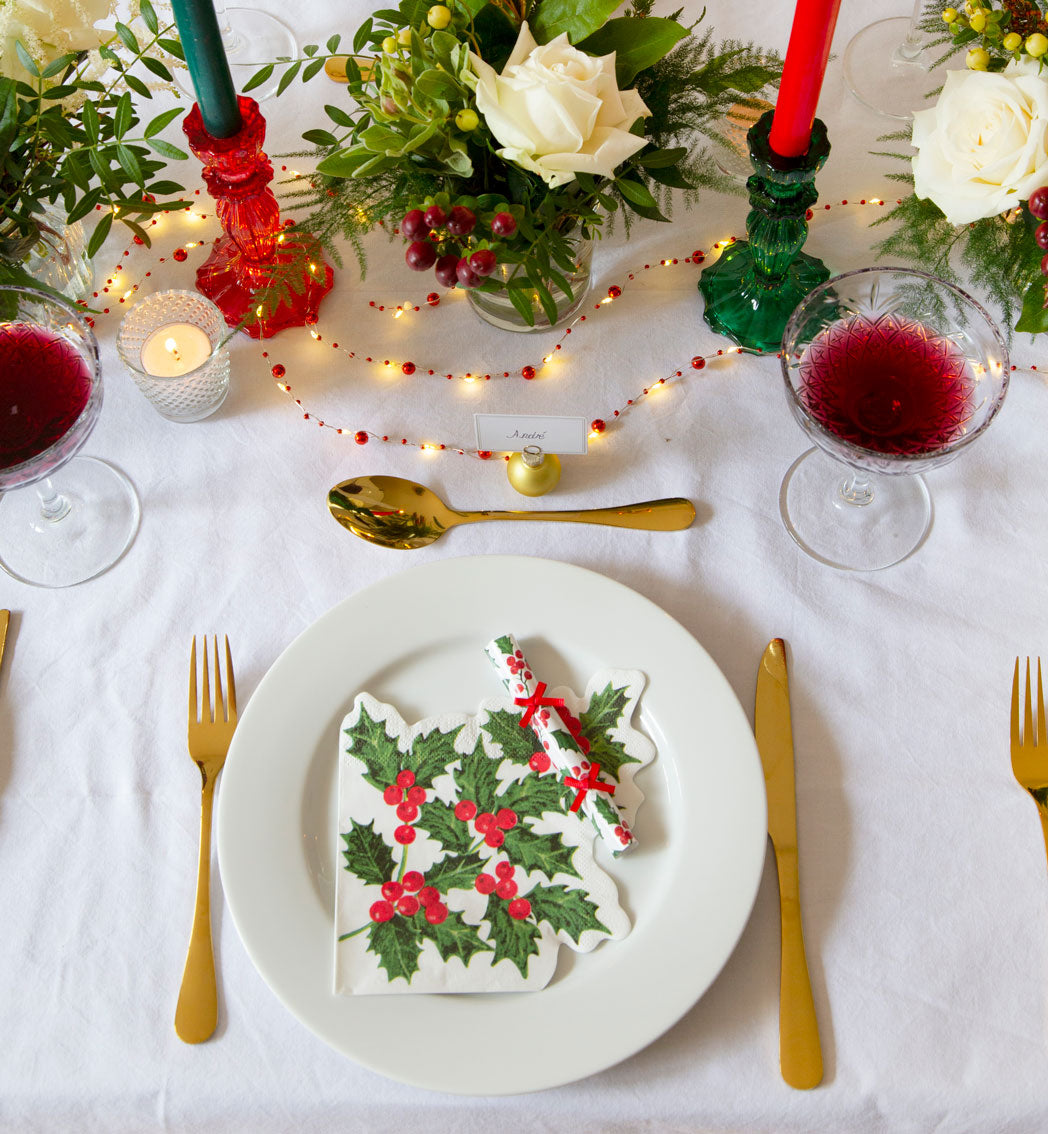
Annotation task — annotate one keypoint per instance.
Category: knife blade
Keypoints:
(800, 1056)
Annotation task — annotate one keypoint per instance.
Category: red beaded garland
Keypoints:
(408, 368)
(528, 373)
(360, 437)
(598, 425)
(278, 371)
(698, 362)
(180, 254)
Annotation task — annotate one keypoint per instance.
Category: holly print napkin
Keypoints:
(463, 866)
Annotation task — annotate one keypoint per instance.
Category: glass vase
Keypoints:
(58, 257)
(496, 307)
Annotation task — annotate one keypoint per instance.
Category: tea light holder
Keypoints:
(172, 343)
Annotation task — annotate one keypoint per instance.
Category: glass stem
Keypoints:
(912, 47)
(230, 39)
(53, 505)
(856, 489)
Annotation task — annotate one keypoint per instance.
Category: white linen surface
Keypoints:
(923, 878)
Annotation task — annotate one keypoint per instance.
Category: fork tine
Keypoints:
(219, 708)
(1040, 706)
(1029, 736)
(1015, 706)
(231, 689)
(207, 709)
(194, 713)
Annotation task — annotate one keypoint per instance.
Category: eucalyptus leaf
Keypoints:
(637, 43)
(579, 18)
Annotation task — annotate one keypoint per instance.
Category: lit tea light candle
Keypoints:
(175, 349)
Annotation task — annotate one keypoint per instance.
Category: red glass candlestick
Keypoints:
(250, 261)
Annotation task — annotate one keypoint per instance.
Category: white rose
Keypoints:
(558, 111)
(49, 28)
(983, 148)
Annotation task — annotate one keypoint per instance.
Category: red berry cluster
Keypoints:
(515, 663)
(493, 826)
(407, 797)
(504, 886)
(437, 241)
(407, 897)
(1038, 205)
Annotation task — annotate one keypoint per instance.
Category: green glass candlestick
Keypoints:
(753, 289)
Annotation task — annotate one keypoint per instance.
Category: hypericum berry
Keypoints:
(1044, 264)
(413, 881)
(485, 821)
(503, 224)
(404, 37)
(483, 261)
(467, 120)
(434, 216)
(494, 837)
(415, 224)
(404, 834)
(405, 778)
(393, 795)
(949, 15)
(436, 913)
(1037, 45)
(977, 59)
(1012, 41)
(519, 908)
(445, 271)
(485, 883)
(465, 809)
(408, 812)
(381, 911)
(977, 22)
(420, 255)
(461, 221)
(408, 905)
(1040, 234)
(389, 45)
(506, 889)
(1038, 203)
(465, 274)
(438, 17)
(428, 895)
(506, 818)
(392, 890)
(416, 795)
(539, 762)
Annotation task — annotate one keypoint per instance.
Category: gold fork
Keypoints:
(211, 728)
(1030, 749)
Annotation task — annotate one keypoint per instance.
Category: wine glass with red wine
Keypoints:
(891, 372)
(81, 514)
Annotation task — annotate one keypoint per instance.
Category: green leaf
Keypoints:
(343, 164)
(437, 84)
(656, 159)
(89, 117)
(431, 754)
(136, 84)
(26, 59)
(477, 779)
(288, 77)
(332, 44)
(515, 939)
(162, 121)
(127, 37)
(455, 871)
(453, 937)
(57, 66)
(312, 69)
(438, 820)
(368, 857)
(396, 944)
(129, 163)
(320, 137)
(1034, 314)
(339, 116)
(157, 68)
(172, 47)
(99, 235)
(503, 727)
(547, 853)
(536, 794)
(361, 38)
(605, 712)
(148, 14)
(637, 43)
(636, 193)
(166, 149)
(578, 19)
(566, 911)
(375, 748)
(122, 117)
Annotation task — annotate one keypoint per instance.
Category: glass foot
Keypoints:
(94, 533)
(853, 537)
(886, 74)
(251, 38)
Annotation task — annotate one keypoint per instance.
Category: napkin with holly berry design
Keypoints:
(463, 867)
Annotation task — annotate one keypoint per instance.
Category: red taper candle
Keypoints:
(802, 75)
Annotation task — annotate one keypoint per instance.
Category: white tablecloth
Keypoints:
(923, 885)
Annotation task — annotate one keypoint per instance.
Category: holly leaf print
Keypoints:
(517, 743)
(505, 644)
(539, 852)
(376, 748)
(477, 778)
(604, 713)
(454, 937)
(438, 820)
(515, 940)
(566, 741)
(397, 946)
(536, 794)
(565, 910)
(607, 810)
(455, 871)
(367, 856)
(431, 754)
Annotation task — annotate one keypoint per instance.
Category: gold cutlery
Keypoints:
(211, 725)
(800, 1056)
(1030, 746)
(394, 512)
(5, 618)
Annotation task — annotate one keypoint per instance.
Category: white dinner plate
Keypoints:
(417, 640)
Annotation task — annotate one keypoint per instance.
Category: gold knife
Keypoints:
(5, 618)
(799, 1054)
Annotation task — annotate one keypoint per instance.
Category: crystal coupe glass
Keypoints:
(891, 372)
(81, 514)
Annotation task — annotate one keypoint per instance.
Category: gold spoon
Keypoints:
(394, 512)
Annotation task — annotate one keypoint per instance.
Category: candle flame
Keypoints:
(171, 345)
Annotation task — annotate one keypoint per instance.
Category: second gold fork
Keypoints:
(1030, 744)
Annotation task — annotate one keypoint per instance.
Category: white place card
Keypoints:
(510, 432)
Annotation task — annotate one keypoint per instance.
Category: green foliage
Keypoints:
(367, 855)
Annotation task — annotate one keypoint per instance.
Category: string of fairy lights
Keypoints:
(117, 293)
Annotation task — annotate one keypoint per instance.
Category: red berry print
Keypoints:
(506, 889)
(392, 890)
(495, 837)
(505, 870)
(428, 895)
(405, 778)
(506, 819)
(485, 883)
(408, 905)
(393, 795)
(416, 795)
(381, 911)
(465, 809)
(539, 762)
(408, 812)
(436, 913)
(484, 822)
(404, 834)
(519, 908)
(413, 881)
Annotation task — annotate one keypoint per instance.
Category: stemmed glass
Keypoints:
(83, 513)
(890, 68)
(891, 372)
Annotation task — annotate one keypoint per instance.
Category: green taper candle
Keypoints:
(208, 66)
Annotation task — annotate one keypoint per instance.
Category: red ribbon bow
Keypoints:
(536, 701)
(589, 783)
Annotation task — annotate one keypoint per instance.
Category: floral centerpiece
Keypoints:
(69, 131)
(499, 136)
(980, 172)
